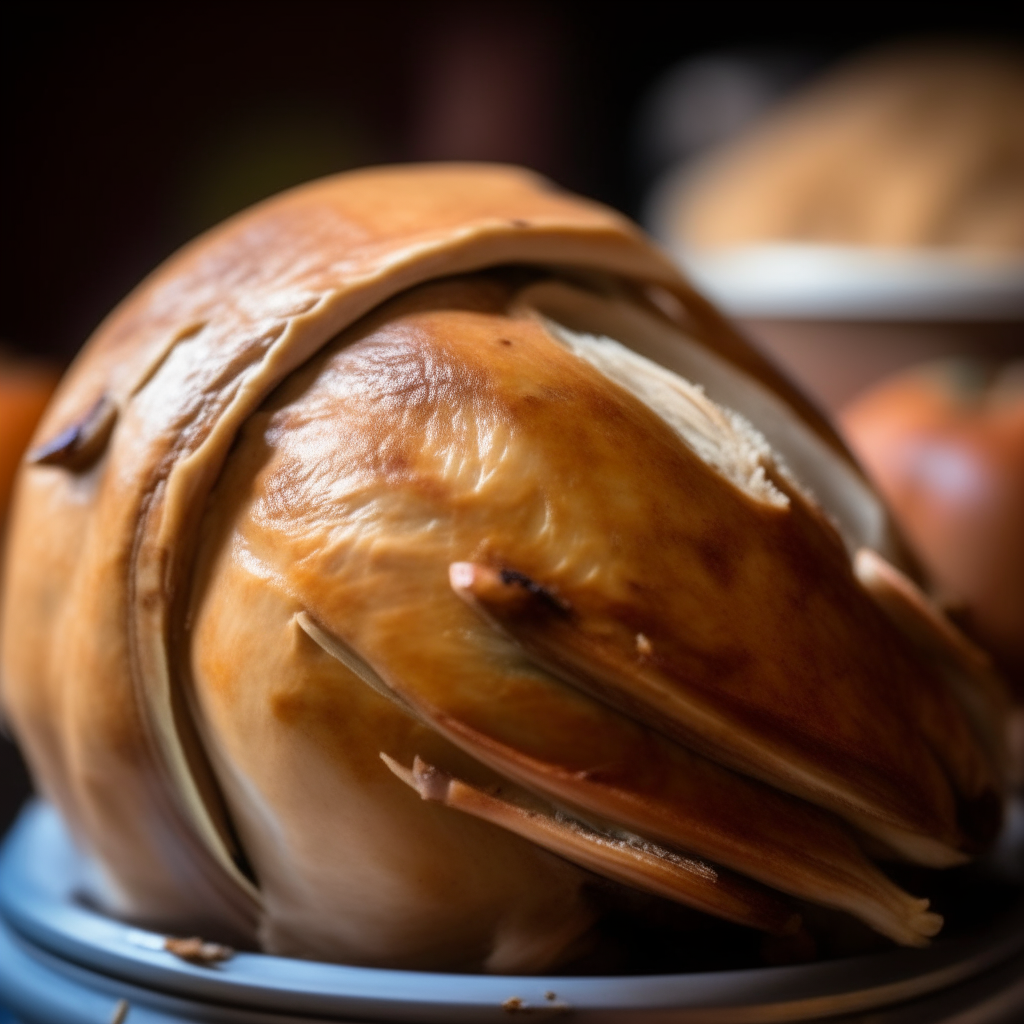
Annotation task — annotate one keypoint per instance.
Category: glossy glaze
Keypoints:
(249, 560)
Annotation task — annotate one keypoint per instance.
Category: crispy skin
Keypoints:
(167, 550)
(98, 557)
(442, 429)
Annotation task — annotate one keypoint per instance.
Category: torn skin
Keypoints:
(834, 870)
(638, 864)
(603, 658)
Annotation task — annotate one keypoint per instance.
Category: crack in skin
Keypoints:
(80, 445)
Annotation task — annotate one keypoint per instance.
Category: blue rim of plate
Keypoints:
(41, 871)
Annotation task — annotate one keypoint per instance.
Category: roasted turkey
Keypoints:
(416, 550)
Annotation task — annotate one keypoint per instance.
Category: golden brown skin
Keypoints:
(183, 361)
(249, 560)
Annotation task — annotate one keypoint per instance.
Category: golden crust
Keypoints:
(184, 360)
(156, 683)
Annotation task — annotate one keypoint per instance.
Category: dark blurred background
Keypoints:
(126, 131)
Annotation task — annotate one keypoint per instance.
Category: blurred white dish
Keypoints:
(839, 318)
(832, 282)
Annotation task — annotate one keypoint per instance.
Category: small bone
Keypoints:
(430, 782)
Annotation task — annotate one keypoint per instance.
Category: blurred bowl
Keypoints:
(871, 219)
(839, 318)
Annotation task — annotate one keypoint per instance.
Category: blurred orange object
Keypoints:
(945, 443)
(25, 388)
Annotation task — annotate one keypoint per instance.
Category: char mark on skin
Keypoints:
(507, 591)
(512, 577)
